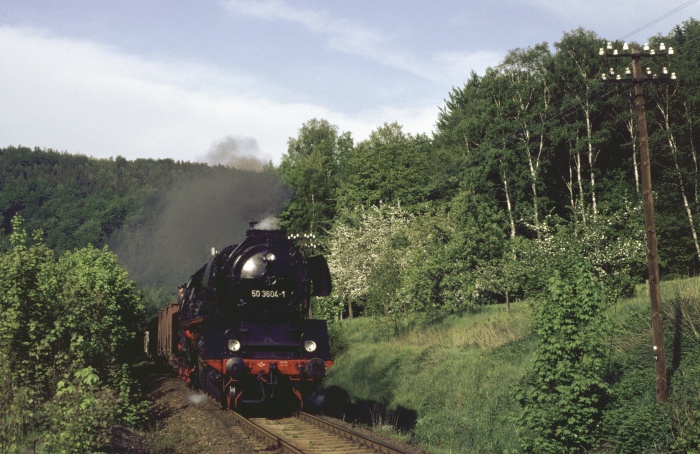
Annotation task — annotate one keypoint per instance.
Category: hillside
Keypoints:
(451, 383)
(161, 217)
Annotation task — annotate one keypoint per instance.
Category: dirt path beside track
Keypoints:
(182, 421)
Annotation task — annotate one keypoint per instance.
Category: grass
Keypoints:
(459, 373)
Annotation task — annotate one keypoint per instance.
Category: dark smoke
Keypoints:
(236, 152)
(178, 230)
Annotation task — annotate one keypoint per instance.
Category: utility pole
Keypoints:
(638, 80)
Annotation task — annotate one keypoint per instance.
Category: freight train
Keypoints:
(240, 330)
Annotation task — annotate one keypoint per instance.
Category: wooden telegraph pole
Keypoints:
(648, 199)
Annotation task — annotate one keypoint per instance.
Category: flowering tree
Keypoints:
(365, 256)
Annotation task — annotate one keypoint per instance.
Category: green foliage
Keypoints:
(311, 169)
(100, 310)
(75, 199)
(633, 422)
(390, 167)
(65, 324)
(131, 410)
(563, 398)
(611, 242)
(683, 409)
(80, 416)
(25, 312)
(18, 412)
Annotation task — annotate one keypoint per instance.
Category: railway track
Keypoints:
(304, 433)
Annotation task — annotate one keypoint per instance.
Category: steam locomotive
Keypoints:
(240, 330)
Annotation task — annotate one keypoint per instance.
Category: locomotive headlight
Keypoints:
(270, 257)
(310, 346)
(234, 345)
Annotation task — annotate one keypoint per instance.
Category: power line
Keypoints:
(563, 111)
(659, 19)
(593, 94)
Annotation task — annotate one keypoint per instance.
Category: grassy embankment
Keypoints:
(459, 374)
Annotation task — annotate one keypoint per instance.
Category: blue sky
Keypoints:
(190, 79)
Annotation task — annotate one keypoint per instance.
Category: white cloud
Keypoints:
(91, 99)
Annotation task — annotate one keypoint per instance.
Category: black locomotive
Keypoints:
(241, 331)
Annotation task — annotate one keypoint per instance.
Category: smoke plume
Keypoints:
(269, 223)
(175, 236)
(236, 152)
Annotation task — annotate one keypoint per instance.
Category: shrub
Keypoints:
(563, 397)
(80, 416)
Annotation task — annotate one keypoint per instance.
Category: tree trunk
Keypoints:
(681, 183)
(570, 188)
(693, 151)
(633, 136)
(511, 221)
(582, 195)
(591, 159)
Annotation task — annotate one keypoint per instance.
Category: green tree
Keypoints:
(25, 313)
(99, 306)
(64, 324)
(575, 69)
(673, 136)
(529, 105)
(481, 122)
(311, 169)
(390, 167)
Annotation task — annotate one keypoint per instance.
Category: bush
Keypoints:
(563, 397)
(80, 416)
(75, 318)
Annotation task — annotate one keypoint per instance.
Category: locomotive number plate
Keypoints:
(267, 293)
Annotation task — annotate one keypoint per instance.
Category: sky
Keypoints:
(216, 80)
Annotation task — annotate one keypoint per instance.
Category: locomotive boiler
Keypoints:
(241, 331)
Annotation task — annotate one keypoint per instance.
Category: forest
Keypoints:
(538, 151)
(527, 189)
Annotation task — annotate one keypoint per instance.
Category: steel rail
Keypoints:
(364, 440)
(361, 442)
(274, 439)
